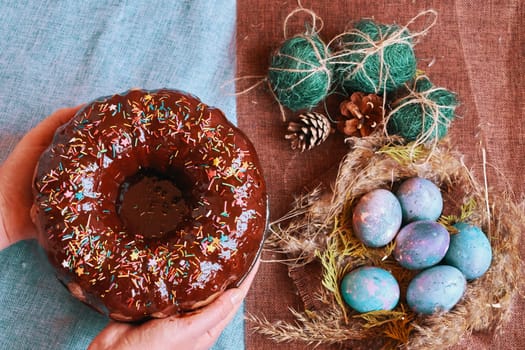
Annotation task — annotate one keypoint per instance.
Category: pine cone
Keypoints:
(363, 114)
(310, 130)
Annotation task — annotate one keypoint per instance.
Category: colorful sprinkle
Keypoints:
(103, 139)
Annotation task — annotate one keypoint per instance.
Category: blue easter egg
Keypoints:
(469, 251)
(420, 199)
(436, 290)
(369, 288)
(421, 244)
(377, 218)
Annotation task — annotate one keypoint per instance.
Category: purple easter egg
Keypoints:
(420, 199)
(421, 244)
(377, 218)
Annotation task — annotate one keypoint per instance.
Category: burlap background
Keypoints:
(477, 49)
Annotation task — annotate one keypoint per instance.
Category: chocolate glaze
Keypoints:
(153, 205)
(150, 204)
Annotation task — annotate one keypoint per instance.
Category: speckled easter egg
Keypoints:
(420, 199)
(469, 251)
(421, 244)
(377, 218)
(369, 288)
(436, 289)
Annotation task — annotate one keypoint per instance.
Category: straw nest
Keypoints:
(317, 243)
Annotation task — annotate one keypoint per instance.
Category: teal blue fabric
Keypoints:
(63, 53)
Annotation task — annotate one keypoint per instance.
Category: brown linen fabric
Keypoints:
(476, 48)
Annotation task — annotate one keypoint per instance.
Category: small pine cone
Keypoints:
(363, 114)
(309, 131)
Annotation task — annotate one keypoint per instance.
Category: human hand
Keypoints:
(16, 177)
(197, 331)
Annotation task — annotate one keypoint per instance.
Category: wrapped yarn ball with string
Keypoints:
(298, 74)
(424, 114)
(374, 58)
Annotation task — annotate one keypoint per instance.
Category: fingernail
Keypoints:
(236, 296)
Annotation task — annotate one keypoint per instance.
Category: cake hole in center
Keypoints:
(154, 205)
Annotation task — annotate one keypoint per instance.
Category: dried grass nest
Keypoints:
(319, 247)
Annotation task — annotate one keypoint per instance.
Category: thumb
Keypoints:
(113, 333)
(16, 175)
(193, 331)
(45, 130)
(198, 330)
(25, 155)
(240, 294)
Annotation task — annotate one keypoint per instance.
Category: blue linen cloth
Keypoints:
(63, 53)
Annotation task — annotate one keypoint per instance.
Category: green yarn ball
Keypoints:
(298, 74)
(374, 60)
(413, 120)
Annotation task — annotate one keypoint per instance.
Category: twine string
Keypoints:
(325, 60)
(394, 37)
(314, 30)
(260, 80)
(368, 47)
(313, 69)
(322, 67)
(430, 109)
